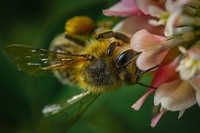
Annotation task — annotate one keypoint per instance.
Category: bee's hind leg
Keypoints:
(75, 39)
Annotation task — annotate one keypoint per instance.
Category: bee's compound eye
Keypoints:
(125, 57)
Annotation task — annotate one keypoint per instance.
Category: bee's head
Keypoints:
(125, 60)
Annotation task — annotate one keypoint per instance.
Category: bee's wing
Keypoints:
(34, 60)
(66, 113)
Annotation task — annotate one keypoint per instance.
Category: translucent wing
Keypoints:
(34, 60)
(66, 113)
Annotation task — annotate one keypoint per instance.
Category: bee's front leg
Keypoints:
(112, 46)
(110, 34)
(138, 73)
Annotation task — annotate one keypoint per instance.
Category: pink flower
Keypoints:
(163, 74)
(143, 5)
(151, 48)
(168, 17)
(172, 93)
(127, 26)
(123, 8)
(178, 21)
(166, 73)
(176, 95)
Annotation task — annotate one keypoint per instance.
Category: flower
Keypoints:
(141, 22)
(143, 5)
(176, 95)
(122, 8)
(190, 65)
(151, 47)
(164, 74)
(178, 77)
(172, 94)
(169, 16)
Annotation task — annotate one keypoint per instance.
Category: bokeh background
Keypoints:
(22, 97)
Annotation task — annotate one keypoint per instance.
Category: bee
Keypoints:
(96, 66)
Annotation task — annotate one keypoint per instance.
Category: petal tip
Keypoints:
(136, 107)
(155, 120)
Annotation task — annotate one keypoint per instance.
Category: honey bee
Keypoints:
(96, 66)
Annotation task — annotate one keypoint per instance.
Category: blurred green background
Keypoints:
(22, 97)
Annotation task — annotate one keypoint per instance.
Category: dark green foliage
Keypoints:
(23, 97)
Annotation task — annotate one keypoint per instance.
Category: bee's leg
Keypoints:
(143, 72)
(68, 44)
(142, 84)
(112, 46)
(138, 74)
(75, 39)
(109, 34)
(145, 85)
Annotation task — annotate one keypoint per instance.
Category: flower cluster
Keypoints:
(165, 32)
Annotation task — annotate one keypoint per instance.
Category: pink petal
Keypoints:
(155, 11)
(122, 8)
(137, 105)
(181, 113)
(151, 47)
(165, 73)
(144, 41)
(175, 95)
(127, 27)
(155, 120)
(150, 59)
(144, 4)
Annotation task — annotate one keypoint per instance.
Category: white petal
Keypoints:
(169, 28)
(155, 11)
(155, 22)
(163, 91)
(195, 82)
(187, 73)
(169, 5)
(182, 49)
(181, 113)
(175, 95)
(198, 97)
